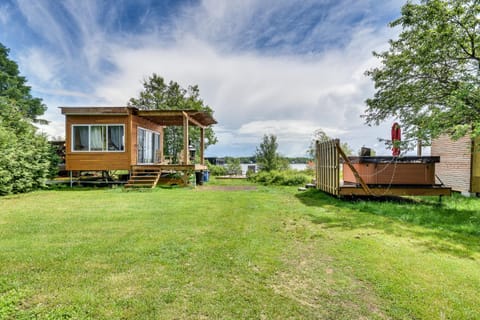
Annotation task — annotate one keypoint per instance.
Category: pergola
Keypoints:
(183, 118)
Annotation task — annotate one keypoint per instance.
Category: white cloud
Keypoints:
(4, 14)
(252, 92)
(40, 66)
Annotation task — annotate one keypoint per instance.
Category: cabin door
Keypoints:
(148, 143)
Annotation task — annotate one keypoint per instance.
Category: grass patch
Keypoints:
(233, 253)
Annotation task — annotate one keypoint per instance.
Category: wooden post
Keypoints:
(354, 171)
(419, 148)
(185, 138)
(202, 145)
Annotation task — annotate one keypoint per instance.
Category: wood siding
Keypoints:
(75, 160)
(94, 161)
(392, 173)
(455, 167)
(476, 166)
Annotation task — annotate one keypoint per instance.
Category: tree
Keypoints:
(266, 154)
(14, 89)
(429, 78)
(26, 158)
(158, 95)
(320, 135)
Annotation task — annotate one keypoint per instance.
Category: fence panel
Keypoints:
(328, 166)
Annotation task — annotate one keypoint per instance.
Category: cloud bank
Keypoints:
(281, 67)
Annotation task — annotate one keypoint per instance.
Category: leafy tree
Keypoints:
(266, 154)
(429, 79)
(14, 89)
(25, 157)
(159, 95)
(320, 135)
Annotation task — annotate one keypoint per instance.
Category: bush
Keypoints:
(283, 178)
(26, 157)
(217, 170)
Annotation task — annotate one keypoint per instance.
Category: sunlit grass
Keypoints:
(264, 252)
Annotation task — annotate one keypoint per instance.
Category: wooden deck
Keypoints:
(172, 167)
(148, 176)
(381, 191)
(328, 155)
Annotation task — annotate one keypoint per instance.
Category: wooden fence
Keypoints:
(328, 166)
(328, 156)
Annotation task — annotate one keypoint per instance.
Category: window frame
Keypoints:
(72, 147)
(159, 134)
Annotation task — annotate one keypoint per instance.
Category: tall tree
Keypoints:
(159, 95)
(429, 78)
(14, 89)
(26, 158)
(266, 154)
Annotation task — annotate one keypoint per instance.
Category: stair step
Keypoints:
(142, 181)
(128, 185)
(143, 177)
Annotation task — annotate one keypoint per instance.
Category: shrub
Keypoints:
(284, 178)
(217, 170)
(25, 157)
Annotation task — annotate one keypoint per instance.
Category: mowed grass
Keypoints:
(228, 253)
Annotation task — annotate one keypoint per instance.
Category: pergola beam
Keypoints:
(185, 138)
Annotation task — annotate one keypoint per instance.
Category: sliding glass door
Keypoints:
(148, 143)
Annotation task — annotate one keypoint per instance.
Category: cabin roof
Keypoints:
(162, 117)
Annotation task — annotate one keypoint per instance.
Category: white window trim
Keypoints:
(96, 125)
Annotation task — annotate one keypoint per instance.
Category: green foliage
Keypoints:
(283, 177)
(26, 157)
(429, 79)
(320, 135)
(266, 154)
(13, 88)
(233, 167)
(158, 95)
(217, 170)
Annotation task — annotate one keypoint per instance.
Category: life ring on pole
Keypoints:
(396, 138)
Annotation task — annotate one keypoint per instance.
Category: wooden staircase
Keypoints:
(143, 177)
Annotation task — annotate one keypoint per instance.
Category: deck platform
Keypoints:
(375, 176)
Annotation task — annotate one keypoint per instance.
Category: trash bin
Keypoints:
(199, 177)
(206, 175)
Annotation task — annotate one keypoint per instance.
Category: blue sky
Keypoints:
(284, 67)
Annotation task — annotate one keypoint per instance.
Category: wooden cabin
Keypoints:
(460, 166)
(126, 138)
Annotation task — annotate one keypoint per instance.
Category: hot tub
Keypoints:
(392, 170)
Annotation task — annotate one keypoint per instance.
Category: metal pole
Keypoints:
(71, 179)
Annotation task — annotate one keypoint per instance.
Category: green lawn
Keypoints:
(269, 253)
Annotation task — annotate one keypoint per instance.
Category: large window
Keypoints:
(98, 138)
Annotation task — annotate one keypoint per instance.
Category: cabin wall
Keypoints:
(146, 124)
(476, 166)
(97, 160)
(455, 167)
